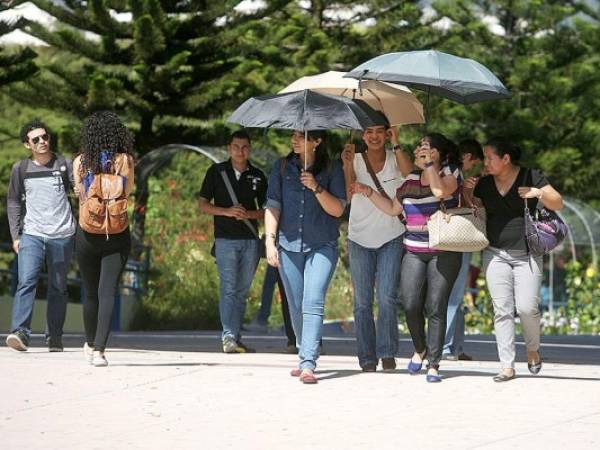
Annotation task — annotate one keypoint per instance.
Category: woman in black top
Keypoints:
(513, 275)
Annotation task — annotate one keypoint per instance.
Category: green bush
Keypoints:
(581, 315)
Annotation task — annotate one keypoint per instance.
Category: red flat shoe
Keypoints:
(295, 372)
(308, 378)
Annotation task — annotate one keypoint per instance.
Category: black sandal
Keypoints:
(535, 368)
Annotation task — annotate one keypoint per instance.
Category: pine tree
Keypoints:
(165, 65)
(15, 64)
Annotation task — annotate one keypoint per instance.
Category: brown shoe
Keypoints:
(369, 367)
(388, 364)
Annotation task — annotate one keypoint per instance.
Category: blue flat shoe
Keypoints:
(413, 367)
(433, 378)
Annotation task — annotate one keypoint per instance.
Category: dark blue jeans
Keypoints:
(236, 260)
(379, 269)
(33, 251)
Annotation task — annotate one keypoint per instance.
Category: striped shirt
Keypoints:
(419, 204)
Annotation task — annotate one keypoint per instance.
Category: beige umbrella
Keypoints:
(398, 104)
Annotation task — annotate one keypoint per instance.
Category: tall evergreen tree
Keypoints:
(166, 65)
(15, 64)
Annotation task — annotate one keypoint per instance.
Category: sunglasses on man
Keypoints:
(37, 139)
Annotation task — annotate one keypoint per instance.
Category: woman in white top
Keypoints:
(375, 249)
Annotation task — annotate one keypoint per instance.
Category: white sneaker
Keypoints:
(88, 353)
(229, 345)
(99, 360)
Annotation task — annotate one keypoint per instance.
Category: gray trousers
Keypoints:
(514, 280)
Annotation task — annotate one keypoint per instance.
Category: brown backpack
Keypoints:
(104, 208)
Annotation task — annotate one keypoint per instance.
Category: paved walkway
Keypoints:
(176, 391)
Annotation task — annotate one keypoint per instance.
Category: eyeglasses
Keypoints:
(43, 137)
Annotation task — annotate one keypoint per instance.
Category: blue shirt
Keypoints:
(303, 223)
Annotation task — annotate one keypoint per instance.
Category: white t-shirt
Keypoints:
(369, 226)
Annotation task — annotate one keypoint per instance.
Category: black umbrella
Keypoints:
(304, 110)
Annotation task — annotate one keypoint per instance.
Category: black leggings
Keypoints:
(101, 263)
(426, 282)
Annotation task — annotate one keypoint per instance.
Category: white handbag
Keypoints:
(459, 229)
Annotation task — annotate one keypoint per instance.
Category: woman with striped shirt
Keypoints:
(427, 274)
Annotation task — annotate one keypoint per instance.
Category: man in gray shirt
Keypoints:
(42, 228)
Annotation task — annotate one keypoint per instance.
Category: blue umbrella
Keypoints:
(459, 79)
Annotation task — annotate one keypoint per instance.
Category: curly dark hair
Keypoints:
(32, 125)
(103, 131)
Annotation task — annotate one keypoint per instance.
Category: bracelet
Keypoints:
(271, 235)
(370, 192)
(318, 189)
(396, 147)
(429, 164)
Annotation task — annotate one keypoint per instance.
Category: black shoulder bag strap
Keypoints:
(235, 201)
(377, 183)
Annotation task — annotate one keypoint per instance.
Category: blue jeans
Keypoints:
(306, 277)
(33, 251)
(377, 268)
(266, 298)
(455, 319)
(236, 261)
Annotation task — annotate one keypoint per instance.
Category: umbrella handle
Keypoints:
(360, 81)
(305, 150)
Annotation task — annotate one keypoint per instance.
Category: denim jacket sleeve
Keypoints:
(274, 190)
(337, 184)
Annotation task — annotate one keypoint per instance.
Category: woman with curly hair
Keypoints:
(106, 147)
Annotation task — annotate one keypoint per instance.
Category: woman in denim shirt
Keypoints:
(302, 227)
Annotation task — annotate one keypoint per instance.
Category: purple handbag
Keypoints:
(544, 230)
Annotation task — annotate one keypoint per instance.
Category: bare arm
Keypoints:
(403, 161)
(391, 207)
(441, 187)
(348, 155)
(549, 197)
(77, 181)
(237, 211)
(469, 194)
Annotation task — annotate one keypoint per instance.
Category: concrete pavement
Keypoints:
(177, 391)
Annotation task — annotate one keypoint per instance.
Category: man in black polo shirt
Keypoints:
(236, 231)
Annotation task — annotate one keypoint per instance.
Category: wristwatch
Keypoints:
(396, 147)
(318, 189)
